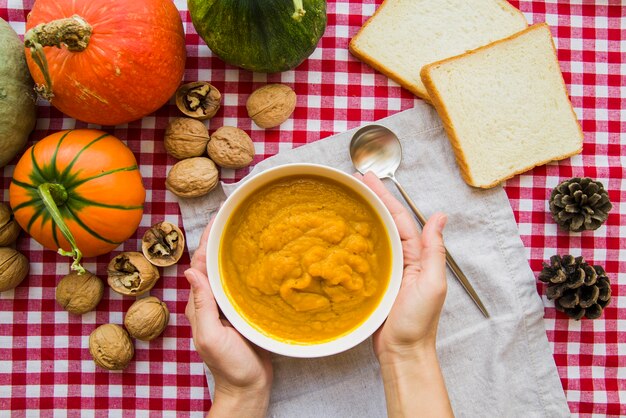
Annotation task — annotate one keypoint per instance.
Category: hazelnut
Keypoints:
(111, 347)
(185, 138)
(231, 147)
(9, 228)
(192, 177)
(79, 293)
(199, 100)
(147, 318)
(271, 105)
(13, 268)
(131, 274)
(163, 244)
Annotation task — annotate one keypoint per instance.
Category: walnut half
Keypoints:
(163, 244)
(199, 100)
(131, 274)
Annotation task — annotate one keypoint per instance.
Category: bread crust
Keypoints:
(444, 114)
(369, 60)
(362, 56)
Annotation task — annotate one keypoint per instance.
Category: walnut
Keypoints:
(199, 100)
(79, 293)
(231, 147)
(13, 268)
(131, 274)
(192, 177)
(147, 318)
(185, 138)
(111, 347)
(271, 105)
(163, 244)
(9, 228)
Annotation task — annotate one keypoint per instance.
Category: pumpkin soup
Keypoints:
(305, 259)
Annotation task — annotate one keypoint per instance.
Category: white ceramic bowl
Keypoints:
(341, 343)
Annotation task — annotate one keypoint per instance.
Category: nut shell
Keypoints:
(199, 100)
(163, 244)
(185, 138)
(192, 177)
(147, 318)
(9, 228)
(131, 274)
(271, 105)
(13, 268)
(231, 147)
(79, 293)
(111, 347)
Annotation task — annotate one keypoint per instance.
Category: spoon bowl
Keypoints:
(377, 149)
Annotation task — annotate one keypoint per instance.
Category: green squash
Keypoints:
(17, 97)
(260, 35)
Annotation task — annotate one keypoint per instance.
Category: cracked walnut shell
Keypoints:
(231, 147)
(13, 268)
(163, 244)
(147, 318)
(79, 293)
(199, 100)
(271, 105)
(192, 177)
(185, 138)
(131, 274)
(111, 347)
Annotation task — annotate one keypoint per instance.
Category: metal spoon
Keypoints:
(377, 149)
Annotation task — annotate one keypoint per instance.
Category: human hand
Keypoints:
(242, 371)
(412, 323)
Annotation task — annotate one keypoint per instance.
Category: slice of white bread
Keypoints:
(404, 35)
(505, 107)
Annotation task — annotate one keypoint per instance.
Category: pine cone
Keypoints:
(580, 204)
(577, 288)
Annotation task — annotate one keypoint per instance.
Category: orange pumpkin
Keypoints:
(115, 61)
(79, 192)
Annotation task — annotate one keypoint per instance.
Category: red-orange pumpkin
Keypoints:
(79, 192)
(115, 60)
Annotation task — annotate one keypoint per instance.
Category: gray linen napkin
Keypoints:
(498, 367)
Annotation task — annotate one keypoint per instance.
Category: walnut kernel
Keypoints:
(199, 100)
(231, 147)
(185, 138)
(147, 318)
(131, 274)
(192, 177)
(271, 105)
(163, 244)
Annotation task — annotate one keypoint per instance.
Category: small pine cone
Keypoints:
(580, 204)
(577, 288)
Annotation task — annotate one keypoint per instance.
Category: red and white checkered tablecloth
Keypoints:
(45, 366)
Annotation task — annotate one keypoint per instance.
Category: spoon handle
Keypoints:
(460, 276)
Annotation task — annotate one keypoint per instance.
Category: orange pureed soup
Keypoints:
(305, 259)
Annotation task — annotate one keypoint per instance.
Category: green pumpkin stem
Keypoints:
(73, 32)
(299, 13)
(54, 195)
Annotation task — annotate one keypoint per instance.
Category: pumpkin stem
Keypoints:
(298, 14)
(73, 32)
(54, 195)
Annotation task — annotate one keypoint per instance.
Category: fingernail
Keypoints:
(190, 275)
(441, 222)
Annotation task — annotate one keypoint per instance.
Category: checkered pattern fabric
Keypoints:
(45, 366)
